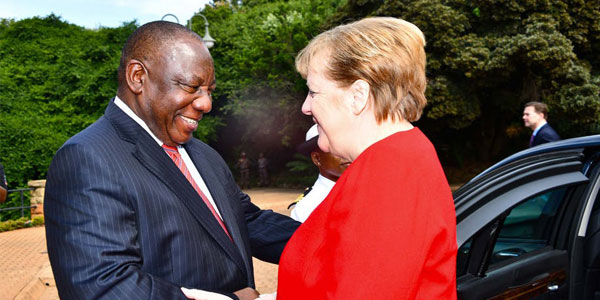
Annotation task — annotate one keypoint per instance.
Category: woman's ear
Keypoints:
(135, 74)
(361, 91)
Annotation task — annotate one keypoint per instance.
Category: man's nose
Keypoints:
(203, 103)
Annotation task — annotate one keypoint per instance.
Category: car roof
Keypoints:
(568, 144)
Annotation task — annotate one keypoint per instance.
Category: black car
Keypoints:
(529, 226)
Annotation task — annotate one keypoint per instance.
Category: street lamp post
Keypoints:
(170, 15)
(208, 40)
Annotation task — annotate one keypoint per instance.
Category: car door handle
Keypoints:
(507, 253)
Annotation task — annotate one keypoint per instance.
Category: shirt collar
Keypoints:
(539, 127)
(127, 110)
(324, 181)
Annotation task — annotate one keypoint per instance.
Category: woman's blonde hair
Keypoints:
(386, 52)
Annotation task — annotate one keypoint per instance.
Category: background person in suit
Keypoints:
(136, 208)
(534, 117)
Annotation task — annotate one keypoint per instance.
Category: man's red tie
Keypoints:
(176, 157)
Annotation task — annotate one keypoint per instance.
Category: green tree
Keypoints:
(55, 79)
(488, 58)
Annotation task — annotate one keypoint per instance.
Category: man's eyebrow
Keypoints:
(192, 80)
(203, 81)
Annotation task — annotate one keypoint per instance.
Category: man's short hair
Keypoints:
(386, 52)
(539, 108)
(146, 41)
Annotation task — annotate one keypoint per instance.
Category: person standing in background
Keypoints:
(535, 116)
(330, 168)
(263, 172)
(243, 165)
(3, 185)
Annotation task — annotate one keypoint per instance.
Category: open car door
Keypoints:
(513, 225)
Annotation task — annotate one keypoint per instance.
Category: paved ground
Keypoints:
(25, 272)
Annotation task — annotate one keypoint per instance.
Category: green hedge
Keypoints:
(21, 223)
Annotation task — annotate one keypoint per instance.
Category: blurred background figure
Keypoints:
(263, 173)
(330, 167)
(243, 165)
(535, 116)
(3, 185)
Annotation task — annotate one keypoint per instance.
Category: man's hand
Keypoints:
(247, 294)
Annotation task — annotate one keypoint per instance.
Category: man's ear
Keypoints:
(361, 91)
(316, 158)
(135, 74)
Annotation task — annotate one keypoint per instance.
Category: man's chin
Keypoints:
(185, 141)
(180, 140)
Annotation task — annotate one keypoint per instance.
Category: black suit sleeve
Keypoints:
(268, 231)
(91, 232)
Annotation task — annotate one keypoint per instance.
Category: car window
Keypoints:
(527, 228)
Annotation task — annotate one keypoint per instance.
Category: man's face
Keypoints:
(531, 118)
(178, 90)
(329, 165)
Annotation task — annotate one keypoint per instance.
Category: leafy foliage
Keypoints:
(21, 223)
(486, 59)
(55, 79)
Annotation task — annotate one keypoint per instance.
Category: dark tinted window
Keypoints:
(528, 226)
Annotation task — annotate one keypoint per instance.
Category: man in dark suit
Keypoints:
(135, 207)
(534, 117)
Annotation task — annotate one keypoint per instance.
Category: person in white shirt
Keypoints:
(330, 167)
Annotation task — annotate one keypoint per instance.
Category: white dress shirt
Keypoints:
(317, 194)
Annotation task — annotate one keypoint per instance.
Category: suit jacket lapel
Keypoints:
(153, 157)
(220, 197)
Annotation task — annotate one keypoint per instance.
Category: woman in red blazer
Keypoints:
(387, 229)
